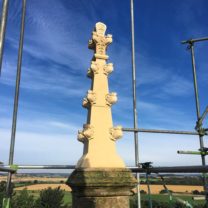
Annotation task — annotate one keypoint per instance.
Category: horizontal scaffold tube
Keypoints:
(39, 167)
(160, 131)
(192, 152)
(174, 169)
(194, 40)
(7, 169)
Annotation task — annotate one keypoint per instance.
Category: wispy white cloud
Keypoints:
(52, 80)
(56, 36)
(44, 126)
(152, 114)
(178, 86)
(156, 148)
(34, 148)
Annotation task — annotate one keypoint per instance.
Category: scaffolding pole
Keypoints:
(162, 169)
(174, 169)
(46, 167)
(191, 41)
(198, 118)
(7, 169)
(136, 142)
(160, 131)
(4, 14)
(192, 152)
(201, 131)
(16, 98)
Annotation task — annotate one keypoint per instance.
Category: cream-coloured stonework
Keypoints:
(99, 135)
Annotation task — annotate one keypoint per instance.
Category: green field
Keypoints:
(165, 198)
(162, 201)
(154, 197)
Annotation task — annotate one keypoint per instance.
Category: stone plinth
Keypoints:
(101, 188)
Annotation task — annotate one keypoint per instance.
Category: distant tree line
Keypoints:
(48, 198)
(186, 180)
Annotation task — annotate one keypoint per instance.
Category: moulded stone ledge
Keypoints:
(102, 182)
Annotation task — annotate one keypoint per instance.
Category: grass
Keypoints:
(155, 197)
(68, 198)
(165, 198)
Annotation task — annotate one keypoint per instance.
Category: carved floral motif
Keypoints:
(108, 68)
(111, 98)
(90, 99)
(94, 69)
(86, 134)
(116, 133)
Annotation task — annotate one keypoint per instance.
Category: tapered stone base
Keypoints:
(101, 188)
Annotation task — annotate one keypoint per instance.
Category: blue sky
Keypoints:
(55, 62)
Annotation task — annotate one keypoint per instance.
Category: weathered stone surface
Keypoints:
(101, 188)
(102, 202)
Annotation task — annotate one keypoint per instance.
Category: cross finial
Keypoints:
(100, 28)
(100, 41)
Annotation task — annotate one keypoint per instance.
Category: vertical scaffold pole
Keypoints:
(5, 6)
(198, 117)
(134, 99)
(16, 98)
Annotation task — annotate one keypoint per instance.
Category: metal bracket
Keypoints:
(147, 166)
(190, 44)
(202, 131)
(14, 167)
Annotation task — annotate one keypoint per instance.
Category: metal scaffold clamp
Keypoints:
(204, 151)
(146, 166)
(9, 169)
(199, 124)
(14, 167)
(190, 44)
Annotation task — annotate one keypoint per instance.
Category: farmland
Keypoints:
(35, 184)
(155, 189)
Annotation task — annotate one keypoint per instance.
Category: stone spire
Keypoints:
(98, 134)
(100, 179)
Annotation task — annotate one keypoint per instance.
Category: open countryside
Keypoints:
(33, 183)
(155, 189)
